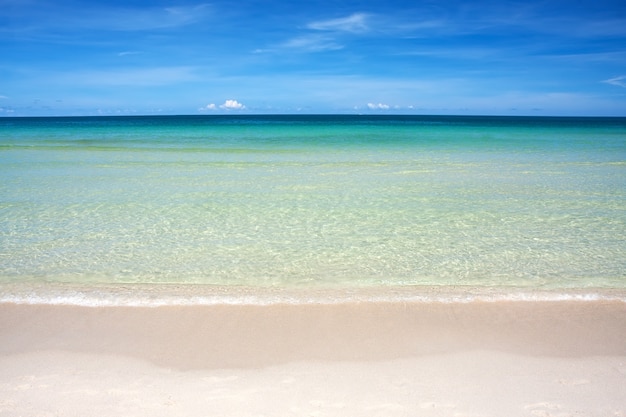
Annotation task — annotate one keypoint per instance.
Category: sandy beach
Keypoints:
(505, 358)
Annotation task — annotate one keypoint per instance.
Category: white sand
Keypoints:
(370, 359)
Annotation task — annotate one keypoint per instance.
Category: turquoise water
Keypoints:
(322, 201)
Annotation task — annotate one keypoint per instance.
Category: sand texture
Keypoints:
(557, 358)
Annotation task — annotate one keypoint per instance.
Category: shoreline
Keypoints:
(160, 295)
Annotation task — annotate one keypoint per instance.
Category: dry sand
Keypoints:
(500, 359)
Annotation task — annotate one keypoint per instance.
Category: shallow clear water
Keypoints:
(347, 201)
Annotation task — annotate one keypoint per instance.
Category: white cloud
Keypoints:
(618, 81)
(227, 105)
(353, 23)
(3, 97)
(379, 106)
(232, 105)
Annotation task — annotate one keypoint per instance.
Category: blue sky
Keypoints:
(64, 57)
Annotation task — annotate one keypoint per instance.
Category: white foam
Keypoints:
(155, 296)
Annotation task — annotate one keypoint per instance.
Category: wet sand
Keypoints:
(513, 358)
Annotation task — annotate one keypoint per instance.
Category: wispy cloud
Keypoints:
(324, 35)
(354, 23)
(126, 53)
(618, 81)
(43, 16)
(312, 43)
(145, 18)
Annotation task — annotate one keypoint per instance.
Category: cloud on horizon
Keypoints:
(379, 106)
(227, 105)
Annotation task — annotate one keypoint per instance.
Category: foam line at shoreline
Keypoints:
(145, 295)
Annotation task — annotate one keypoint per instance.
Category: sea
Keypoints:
(338, 203)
